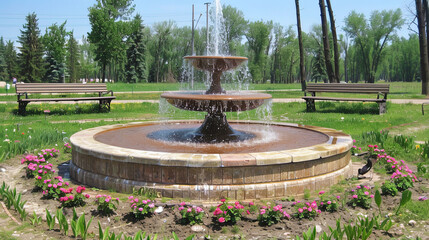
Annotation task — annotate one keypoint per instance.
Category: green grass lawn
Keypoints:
(66, 119)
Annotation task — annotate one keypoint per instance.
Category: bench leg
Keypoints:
(381, 107)
(21, 107)
(311, 107)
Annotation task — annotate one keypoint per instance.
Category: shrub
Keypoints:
(141, 209)
(75, 200)
(307, 210)
(271, 215)
(361, 197)
(52, 188)
(328, 203)
(191, 215)
(228, 214)
(403, 178)
(389, 188)
(106, 205)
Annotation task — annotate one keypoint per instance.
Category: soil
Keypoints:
(167, 221)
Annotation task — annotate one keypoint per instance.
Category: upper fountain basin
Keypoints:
(215, 63)
(231, 102)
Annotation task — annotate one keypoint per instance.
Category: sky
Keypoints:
(13, 12)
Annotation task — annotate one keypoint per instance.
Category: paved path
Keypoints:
(276, 100)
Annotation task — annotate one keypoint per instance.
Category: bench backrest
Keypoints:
(60, 88)
(348, 87)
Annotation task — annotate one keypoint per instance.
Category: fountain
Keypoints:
(215, 158)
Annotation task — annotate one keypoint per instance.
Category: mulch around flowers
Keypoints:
(168, 220)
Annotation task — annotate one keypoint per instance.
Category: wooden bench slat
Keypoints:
(360, 88)
(40, 88)
(65, 99)
(346, 99)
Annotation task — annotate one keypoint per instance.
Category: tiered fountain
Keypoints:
(212, 159)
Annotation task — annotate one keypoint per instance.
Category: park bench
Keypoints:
(359, 88)
(98, 92)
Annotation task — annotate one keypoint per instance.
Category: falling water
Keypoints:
(217, 34)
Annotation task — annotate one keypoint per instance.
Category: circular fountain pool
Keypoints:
(122, 157)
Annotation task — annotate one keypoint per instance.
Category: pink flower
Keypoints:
(262, 211)
(300, 210)
(366, 193)
(248, 212)
(223, 200)
(355, 196)
(189, 210)
(358, 187)
(152, 205)
(181, 208)
(338, 197)
(141, 209)
(329, 202)
(87, 195)
(371, 196)
(251, 204)
(221, 220)
(321, 192)
(107, 200)
(144, 201)
(182, 204)
(71, 197)
(49, 185)
(230, 207)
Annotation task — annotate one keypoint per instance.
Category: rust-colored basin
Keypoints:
(216, 63)
(231, 102)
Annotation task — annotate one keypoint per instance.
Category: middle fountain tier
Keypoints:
(215, 101)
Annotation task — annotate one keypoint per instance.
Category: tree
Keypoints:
(108, 30)
(371, 38)
(235, 26)
(424, 62)
(161, 50)
(72, 58)
(258, 39)
(3, 65)
(10, 57)
(325, 40)
(54, 41)
(335, 42)
(31, 51)
(301, 47)
(136, 65)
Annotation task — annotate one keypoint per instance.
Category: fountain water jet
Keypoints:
(212, 159)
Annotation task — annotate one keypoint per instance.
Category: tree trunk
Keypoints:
(301, 47)
(335, 41)
(326, 48)
(103, 73)
(424, 67)
(425, 84)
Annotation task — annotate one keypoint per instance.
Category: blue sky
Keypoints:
(13, 12)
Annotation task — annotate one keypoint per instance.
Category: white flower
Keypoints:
(342, 118)
(6, 129)
(29, 137)
(63, 132)
(6, 140)
(14, 130)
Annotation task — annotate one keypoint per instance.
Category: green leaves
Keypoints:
(377, 199)
(406, 197)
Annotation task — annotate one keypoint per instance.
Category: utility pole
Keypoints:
(193, 29)
(207, 24)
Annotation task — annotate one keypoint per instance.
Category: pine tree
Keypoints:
(136, 66)
(72, 58)
(54, 41)
(10, 57)
(31, 51)
(3, 65)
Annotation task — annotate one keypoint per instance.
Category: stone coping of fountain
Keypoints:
(84, 142)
